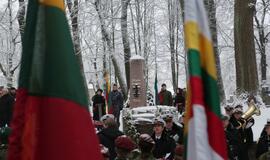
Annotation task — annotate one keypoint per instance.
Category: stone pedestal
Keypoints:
(137, 82)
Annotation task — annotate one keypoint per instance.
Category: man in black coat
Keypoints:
(172, 129)
(179, 100)
(98, 105)
(108, 135)
(7, 100)
(263, 147)
(237, 124)
(117, 101)
(233, 146)
(164, 144)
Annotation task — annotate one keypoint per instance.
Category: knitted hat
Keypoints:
(168, 116)
(159, 120)
(124, 142)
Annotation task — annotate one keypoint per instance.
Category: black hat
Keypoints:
(267, 123)
(99, 90)
(163, 85)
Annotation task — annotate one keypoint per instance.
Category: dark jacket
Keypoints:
(179, 99)
(176, 130)
(116, 100)
(233, 144)
(98, 104)
(107, 137)
(6, 108)
(244, 136)
(163, 146)
(165, 98)
(263, 145)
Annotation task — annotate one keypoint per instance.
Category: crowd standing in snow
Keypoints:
(167, 139)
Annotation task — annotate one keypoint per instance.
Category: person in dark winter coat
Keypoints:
(233, 146)
(98, 105)
(263, 147)
(172, 129)
(165, 97)
(7, 101)
(164, 144)
(179, 100)
(108, 135)
(117, 101)
(236, 124)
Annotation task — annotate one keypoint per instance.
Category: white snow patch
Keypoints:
(136, 57)
(260, 121)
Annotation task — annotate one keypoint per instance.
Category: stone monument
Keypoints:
(137, 82)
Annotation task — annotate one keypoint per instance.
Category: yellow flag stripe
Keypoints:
(196, 40)
(54, 3)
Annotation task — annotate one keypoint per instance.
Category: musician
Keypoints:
(238, 124)
(263, 147)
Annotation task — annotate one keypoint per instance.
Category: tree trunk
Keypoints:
(211, 10)
(125, 39)
(262, 38)
(21, 16)
(105, 35)
(171, 14)
(245, 57)
(138, 19)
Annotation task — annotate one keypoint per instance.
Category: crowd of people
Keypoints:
(166, 140)
(239, 136)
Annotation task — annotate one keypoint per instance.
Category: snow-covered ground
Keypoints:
(260, 122)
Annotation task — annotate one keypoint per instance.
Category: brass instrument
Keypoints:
(247, 116)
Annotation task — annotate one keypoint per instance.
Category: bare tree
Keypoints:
(211, 10)
(105, 35)
(21, 16)
(262, 10)
(125, 38)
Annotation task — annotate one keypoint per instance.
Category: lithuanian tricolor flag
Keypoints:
(51, 119)
(204, 133)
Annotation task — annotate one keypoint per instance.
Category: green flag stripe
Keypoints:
(194, 62)
(211, 93)
(53, 52)
(27, 45)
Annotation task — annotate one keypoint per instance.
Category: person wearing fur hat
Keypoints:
(108, 134)
(164, 144)
(172, 129)
(263, 147)
(98, 105)
(123, 147)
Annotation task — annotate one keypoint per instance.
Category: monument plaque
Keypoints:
(137, 82)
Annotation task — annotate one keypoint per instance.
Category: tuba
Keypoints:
(247, 116)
